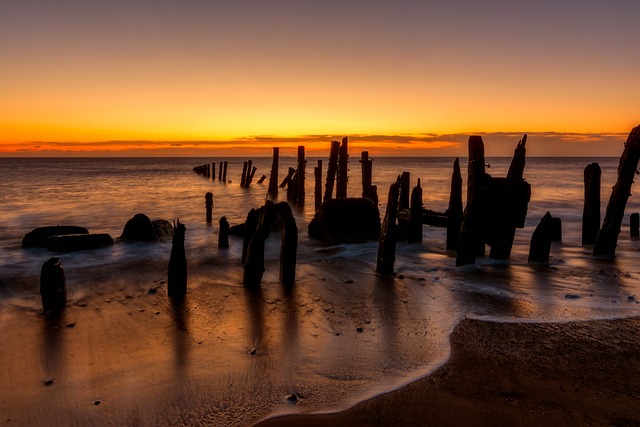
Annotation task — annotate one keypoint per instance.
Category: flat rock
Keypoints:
(39, 237)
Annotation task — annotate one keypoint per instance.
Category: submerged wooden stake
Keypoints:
(287, 178)
(53, 286)
(177, 274)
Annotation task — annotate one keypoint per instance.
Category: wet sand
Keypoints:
(515, 374)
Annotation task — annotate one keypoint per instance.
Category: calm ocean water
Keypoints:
(308, 342)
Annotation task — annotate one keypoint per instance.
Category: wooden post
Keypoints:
(454, 211)
(53, 286)
(470, 243)
(273, 176)
(249, 229)
(292, 187)
(288, 250)
(301, 176)
(634, 225)
(331, 170)
(373, 195)
(608, 235)
(405, 184)
(213, 171)
(220, 172)
(244, 174)
(415, 221)
(254, 264)
(224, 174)
(250, 176)
(388, 234)
(541, 241)
(343, 169)
(223, 233)
(591, 210)
(177, 277)
(317, 173)
(556, 229)
(262, 178)
(367, 167)
(209, 204)
(287, 178)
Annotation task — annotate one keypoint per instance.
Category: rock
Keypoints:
(141, 229)
(292, 397)
(352, 220)
(39, 237)
(359, 330)
(79, 242)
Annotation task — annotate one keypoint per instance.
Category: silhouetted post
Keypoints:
(209, 204)
(415, 220)
(608, 235)
(507, 218)
(244, 173)
(405, 184)
(223, 233)
(388, 233)
(224, 174)
(331, 170)
(287, 178)
(288, 250)
(213, 171)
(292, 187)
(53, 286)
(634, 225)
(454, 211)
(591, 210)
(373, 195)
(470, 243)
(249, 230)
(301, 176)
(556, 229)
(262, 178)
(250, 176)
(177, 278)
(367, 168)
(541, 240)
(220, 172)
(254, 264)
(273, 177)
(343, 169)
(317, 173)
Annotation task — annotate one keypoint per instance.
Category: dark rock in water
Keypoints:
(39, 237)
(353, 220)
(141, 229)
(79, 242)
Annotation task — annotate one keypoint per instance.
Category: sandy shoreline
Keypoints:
(515, 374)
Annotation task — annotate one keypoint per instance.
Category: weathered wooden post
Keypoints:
(541, 240)
(367, 168)
(292, 187)
(213, 171)
(300, 196)
(405, 184)
(273, 176)
(634, 225)
(250, 176)
(317, 173)
(343, 169)
(244, 173)
(220, 172)
(591, 209)
(388, 234)
(608, 235)
(177, 277)
(373, 195)
(331, 170)
(414, 234)
(454, 211)
(53, 286)
(288, 250)
(254, 264)
(470, 243)
(223, 233)
(249, 230)
(224, 174)
(209, 205)
(287, 178)
(556, 229)
(262, 178)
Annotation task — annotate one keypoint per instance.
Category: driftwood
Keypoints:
(591, 210)
(388, 235)
(331, 170)
(273, 176)
(177, 271)
(53, 286)
(608, 236)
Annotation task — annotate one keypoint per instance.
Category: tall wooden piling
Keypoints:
(388, 235)
(53, 286)
(300, 196)
(454, 211)
(254, 262)
(331, 170)
(220, 172)
(209, 205)
(288, 250)
(250, 225)
(405, 184)
(317, 173)
(244, 173)
(608, 236)
(541, 240)
(223, 233)
(177, 271)
(224, 174)
(251, 171)
(343, 169)
(414, 233)
(367, 169)
(591, 209)
(273, 176)
(213, 171)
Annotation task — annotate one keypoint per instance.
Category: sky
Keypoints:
(160, 77)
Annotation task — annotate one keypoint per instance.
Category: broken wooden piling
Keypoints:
(591, 209)
(245, 165)
(331, 170)
(367, 169)
(262, 178)
(414, 231)
(209, 205)
(287, 178)
(224, 174)
(213, 171)
(608, 236)
(177, 271)
(300, 193)
(223, 233)
(634, 225)
(220, 172)
(273, 176)
(388, 234)
(405, 184)
(541, 240)
(53, 286)
(254, 262)
(288, 249)
(317, 173)
(250, 225)
(454, 211)
(343, 169)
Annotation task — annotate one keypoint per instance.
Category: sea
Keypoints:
(124, 355)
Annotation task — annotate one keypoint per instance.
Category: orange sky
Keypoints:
(401, 78)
